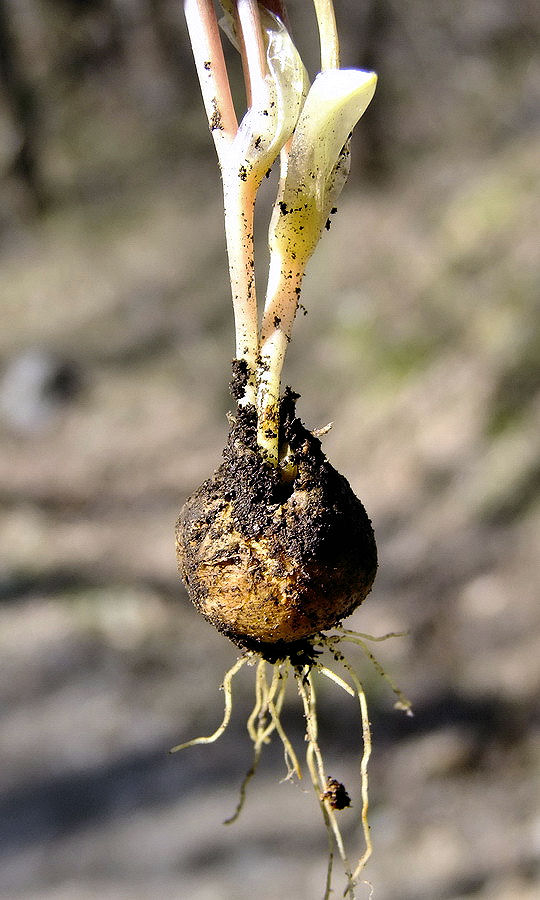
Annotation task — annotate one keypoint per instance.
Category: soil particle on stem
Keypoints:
(270, 560)
(239, 380)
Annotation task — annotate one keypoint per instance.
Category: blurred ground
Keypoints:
(421, 344)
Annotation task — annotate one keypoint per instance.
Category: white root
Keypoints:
(304, 681)
(403, 703)
(228, 709)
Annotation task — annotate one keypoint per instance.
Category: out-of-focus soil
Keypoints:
(422, 345)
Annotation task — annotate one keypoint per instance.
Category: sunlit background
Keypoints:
(421, 344)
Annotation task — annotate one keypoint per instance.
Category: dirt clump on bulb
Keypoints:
(273, 556)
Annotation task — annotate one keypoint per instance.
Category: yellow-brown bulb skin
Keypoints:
(271, 562)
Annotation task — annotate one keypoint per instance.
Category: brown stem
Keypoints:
(251, 45)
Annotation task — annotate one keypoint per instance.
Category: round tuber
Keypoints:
(273, 556)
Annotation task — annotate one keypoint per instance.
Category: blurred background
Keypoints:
(421, 343)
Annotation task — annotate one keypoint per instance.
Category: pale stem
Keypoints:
(328, 35)
(284, 285)
(210, 63)
(239, 188)
(239, 202)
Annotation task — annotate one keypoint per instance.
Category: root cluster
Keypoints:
(265, 720)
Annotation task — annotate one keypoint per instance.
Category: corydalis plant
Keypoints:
(274, 548)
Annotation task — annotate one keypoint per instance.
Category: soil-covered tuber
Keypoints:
(272, 556)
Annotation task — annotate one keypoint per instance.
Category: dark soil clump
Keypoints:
(273, 556)
(238, 382)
